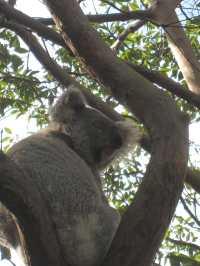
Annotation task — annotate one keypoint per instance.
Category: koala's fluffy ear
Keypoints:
(75, 99)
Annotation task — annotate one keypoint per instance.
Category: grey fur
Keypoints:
(86, 224)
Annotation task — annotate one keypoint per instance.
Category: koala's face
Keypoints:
(95, 137)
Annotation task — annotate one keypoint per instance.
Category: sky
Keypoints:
(33, 8)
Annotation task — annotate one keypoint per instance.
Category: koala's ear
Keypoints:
(75, 99)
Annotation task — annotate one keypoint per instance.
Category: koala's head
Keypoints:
(95, 137)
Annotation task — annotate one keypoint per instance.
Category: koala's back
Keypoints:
(46, 158)
(86, 223)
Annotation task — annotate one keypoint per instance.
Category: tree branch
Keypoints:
(164, 15)
(183, 243)
(101, 18)
(190, 212)
(174, 87)
(192, 175)
(130, 29)
(138, 14)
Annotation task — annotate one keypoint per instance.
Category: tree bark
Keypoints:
(163, 14)
(192, 175)
(170, 85)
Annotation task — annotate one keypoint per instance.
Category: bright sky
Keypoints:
(32, 8)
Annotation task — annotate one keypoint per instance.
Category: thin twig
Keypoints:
(130, 29)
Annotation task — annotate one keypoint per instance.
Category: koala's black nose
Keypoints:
(116, 140)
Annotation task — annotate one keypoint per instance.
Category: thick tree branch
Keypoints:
(163, 81)
(155, 201)
(161, 5)
(45, 21)
(138, 14)
(101, 18)
(184, 55)
(192, 175)
(164, 15)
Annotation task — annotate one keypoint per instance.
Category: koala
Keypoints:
(66, 159)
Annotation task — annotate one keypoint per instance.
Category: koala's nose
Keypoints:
(117, 140)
